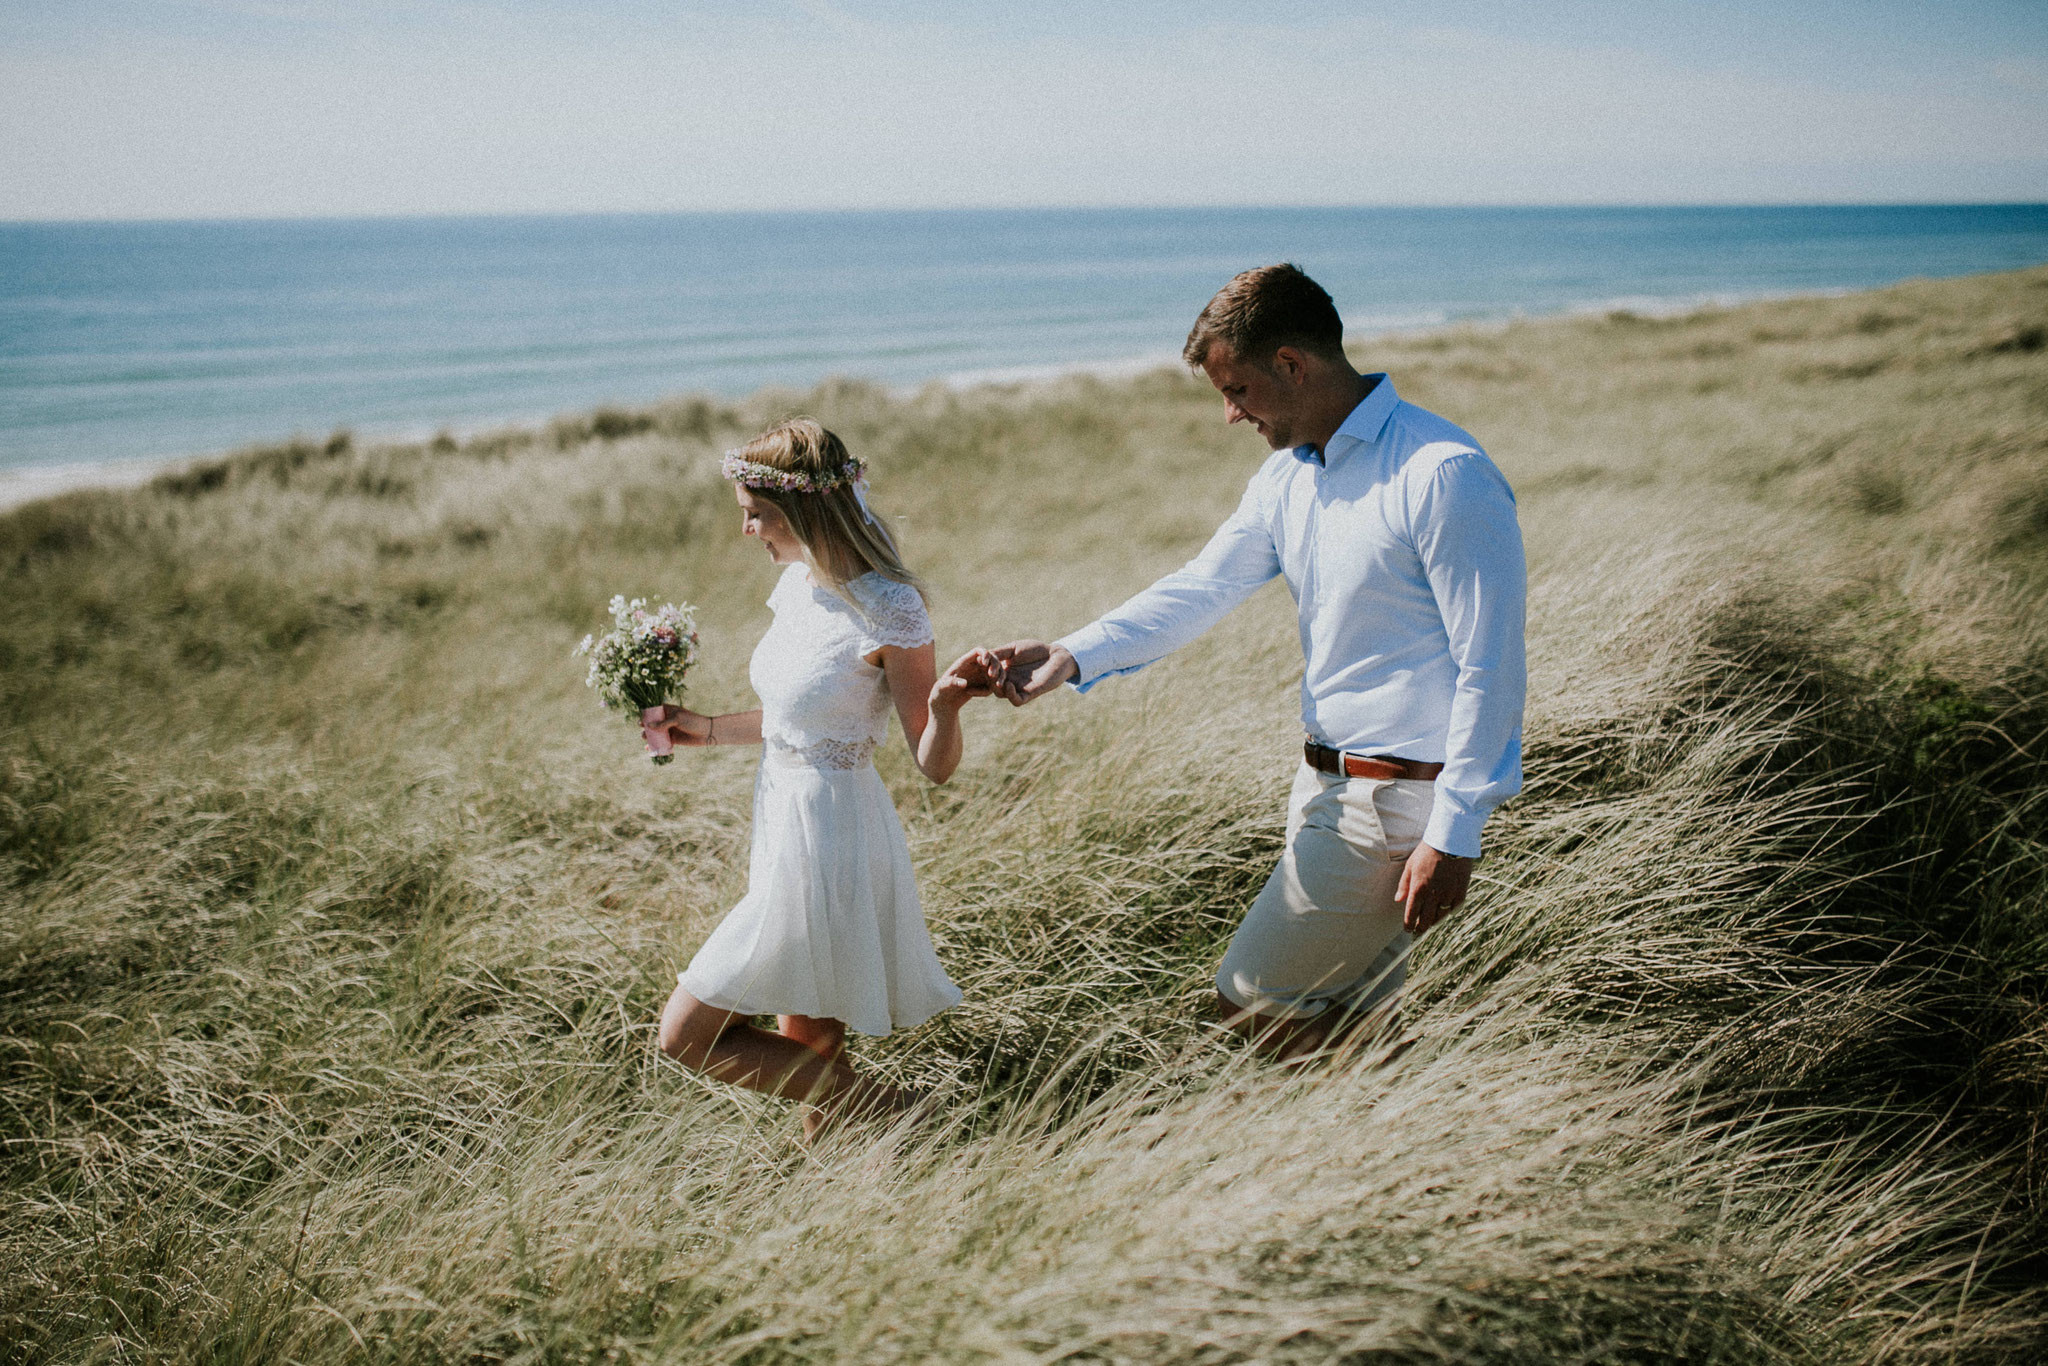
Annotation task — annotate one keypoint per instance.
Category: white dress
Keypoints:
(830, 925)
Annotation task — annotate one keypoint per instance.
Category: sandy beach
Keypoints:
(47, 481)
(26, 485)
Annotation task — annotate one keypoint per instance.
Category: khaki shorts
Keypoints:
(1325, 930)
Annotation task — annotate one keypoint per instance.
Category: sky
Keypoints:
(296, 108)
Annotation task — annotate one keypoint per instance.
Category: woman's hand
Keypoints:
(970, 676)
(668, 727)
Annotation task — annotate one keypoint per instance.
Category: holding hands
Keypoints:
(1026, 670)
(974, 674)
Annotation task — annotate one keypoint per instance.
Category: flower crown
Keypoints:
(758, 476)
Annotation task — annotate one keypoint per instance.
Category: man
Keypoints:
(1397, 537)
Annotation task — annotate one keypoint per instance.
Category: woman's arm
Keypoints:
(670, 727)
(929, 707)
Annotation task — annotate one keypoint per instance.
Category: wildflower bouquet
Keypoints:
(641, 661)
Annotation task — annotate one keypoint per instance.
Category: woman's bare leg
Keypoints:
(826, 1038)
(724, 1046)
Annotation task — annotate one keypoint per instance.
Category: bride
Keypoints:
(829, 935)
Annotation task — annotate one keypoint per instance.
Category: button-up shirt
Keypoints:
(1400, 546)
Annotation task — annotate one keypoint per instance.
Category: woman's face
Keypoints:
(764, 521)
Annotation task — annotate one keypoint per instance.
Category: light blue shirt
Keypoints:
(1400, 546)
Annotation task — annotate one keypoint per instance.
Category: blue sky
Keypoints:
(229, 108)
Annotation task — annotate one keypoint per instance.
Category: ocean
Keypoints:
(126, 341)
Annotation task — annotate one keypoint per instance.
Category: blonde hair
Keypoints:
(837, 533)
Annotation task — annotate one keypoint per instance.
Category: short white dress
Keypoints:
(830, 925)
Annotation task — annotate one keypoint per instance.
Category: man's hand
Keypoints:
(1433, 885)
(1029, 669)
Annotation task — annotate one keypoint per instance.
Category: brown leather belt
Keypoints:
(1327, 760)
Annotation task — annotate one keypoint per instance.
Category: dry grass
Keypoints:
(333, 916)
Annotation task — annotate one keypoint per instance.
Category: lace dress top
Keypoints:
(822, 704)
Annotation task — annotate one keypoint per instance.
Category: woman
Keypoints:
(830, 934)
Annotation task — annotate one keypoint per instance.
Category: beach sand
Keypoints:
(47, 481)
(29, 483)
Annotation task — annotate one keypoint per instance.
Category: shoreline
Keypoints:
(33, 483)
(26, 484)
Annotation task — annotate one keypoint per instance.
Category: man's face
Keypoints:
(1262, 395)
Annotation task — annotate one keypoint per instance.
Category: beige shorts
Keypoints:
(1325, 930)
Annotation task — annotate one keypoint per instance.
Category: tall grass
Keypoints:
(335, 917)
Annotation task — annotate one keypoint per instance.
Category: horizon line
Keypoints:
(463, 215)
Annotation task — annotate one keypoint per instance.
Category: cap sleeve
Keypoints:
(892, 614)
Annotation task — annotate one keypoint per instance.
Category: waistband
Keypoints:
(836, 755)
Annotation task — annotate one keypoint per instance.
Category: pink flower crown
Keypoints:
(758, 476)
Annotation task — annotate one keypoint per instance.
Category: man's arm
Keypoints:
(1471, 549)
(1238, 559)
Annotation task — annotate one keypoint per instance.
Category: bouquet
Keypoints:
(641, 661)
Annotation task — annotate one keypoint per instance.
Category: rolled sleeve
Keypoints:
(1471, 549)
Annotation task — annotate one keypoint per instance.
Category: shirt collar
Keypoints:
(1361, 427)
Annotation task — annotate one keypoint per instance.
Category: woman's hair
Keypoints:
(841, 538)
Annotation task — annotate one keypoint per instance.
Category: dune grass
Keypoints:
(334, 915)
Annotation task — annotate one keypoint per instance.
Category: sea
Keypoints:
(133, 341)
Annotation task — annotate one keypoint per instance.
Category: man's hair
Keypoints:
(1262, 310)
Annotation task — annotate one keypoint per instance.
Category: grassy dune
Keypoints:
(334, 916)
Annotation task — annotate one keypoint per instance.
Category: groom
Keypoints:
(1397, 537)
